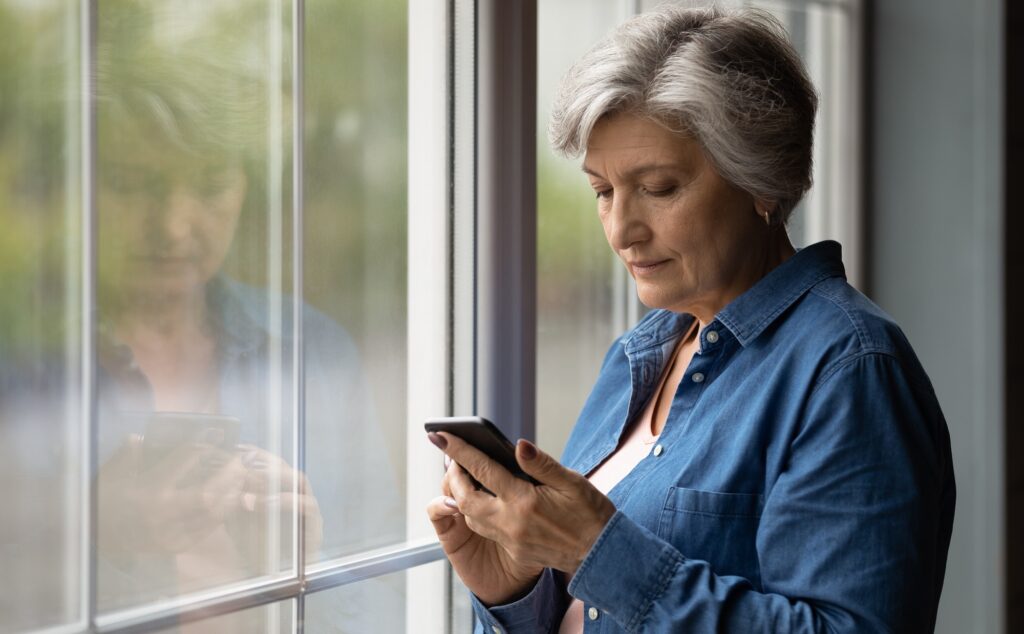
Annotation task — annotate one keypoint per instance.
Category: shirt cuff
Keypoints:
(538, 611)
(627, 569)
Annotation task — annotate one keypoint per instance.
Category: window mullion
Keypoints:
(88, 398)
(298, 231)
(428, 336)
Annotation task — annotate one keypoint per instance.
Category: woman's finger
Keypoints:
(442, 507)
(486, 471)
(176, 465)
(470, 501)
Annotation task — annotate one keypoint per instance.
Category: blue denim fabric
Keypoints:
(805, 482)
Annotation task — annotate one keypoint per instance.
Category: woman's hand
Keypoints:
(499, 544)
(273, 489)
(166, 506)
(486, 568)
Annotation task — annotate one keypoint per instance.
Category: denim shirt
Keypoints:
(802, 482)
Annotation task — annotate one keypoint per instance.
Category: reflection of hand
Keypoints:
(500, 544)
(168, 506)
(273, 491)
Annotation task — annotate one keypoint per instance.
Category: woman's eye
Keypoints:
(660, 191)
(603, 193)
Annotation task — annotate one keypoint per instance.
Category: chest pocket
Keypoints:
(719, 528)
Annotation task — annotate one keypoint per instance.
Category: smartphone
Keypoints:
(167, 431)
(485, 436)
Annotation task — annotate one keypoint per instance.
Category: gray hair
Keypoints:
(729, 78)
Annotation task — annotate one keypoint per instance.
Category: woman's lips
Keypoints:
(163, 263)
(647, 267)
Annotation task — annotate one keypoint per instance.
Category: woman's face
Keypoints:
(166, 226)
(691, 240)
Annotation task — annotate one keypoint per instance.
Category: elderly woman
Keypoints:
(761, 453)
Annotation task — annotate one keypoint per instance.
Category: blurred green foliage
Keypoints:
(574, 261)
(188, 87)
(38, 178)
(191, 83)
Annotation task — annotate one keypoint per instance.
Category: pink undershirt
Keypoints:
(633, 448)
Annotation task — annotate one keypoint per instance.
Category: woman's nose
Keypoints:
(176, 218)
(624, 223)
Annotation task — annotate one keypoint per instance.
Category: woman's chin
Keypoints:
(655, 298)
(164, 288)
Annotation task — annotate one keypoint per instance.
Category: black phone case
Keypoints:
(485, 436)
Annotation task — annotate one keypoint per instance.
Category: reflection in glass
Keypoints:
(196, 484)
(355, 264)
(41, 520)
(275, 618)
(199, 484)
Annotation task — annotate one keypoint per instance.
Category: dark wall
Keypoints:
(935, 248)
(1014, 244)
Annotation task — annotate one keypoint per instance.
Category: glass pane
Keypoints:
(40, 360)
(399, 603)
(276, 618)
(195, 340)
(355, 272)
(581, 287)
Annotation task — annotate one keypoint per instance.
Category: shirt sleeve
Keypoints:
(539, 611)
(852, 537)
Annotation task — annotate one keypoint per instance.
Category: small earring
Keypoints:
(768, 219)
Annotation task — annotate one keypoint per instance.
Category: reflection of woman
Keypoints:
(182, 133)
(763, 452)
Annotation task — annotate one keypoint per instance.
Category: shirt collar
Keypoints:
(656, 328)
(749, 314)
(238, 329)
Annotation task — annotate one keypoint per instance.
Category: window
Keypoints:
(206, 414)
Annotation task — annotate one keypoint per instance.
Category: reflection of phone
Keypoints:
(485, 436)
(167, 431)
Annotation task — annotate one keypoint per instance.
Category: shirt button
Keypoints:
(496, 629)
(711, 336)
(593, 613)
(698, 377)
(658, 449)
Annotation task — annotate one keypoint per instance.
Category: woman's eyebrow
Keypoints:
(634, 171)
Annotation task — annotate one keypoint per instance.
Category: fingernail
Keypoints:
(527, 449)
(451, 503)
(438, 440)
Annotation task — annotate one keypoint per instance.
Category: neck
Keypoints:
(155, 320)
(775, 250)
